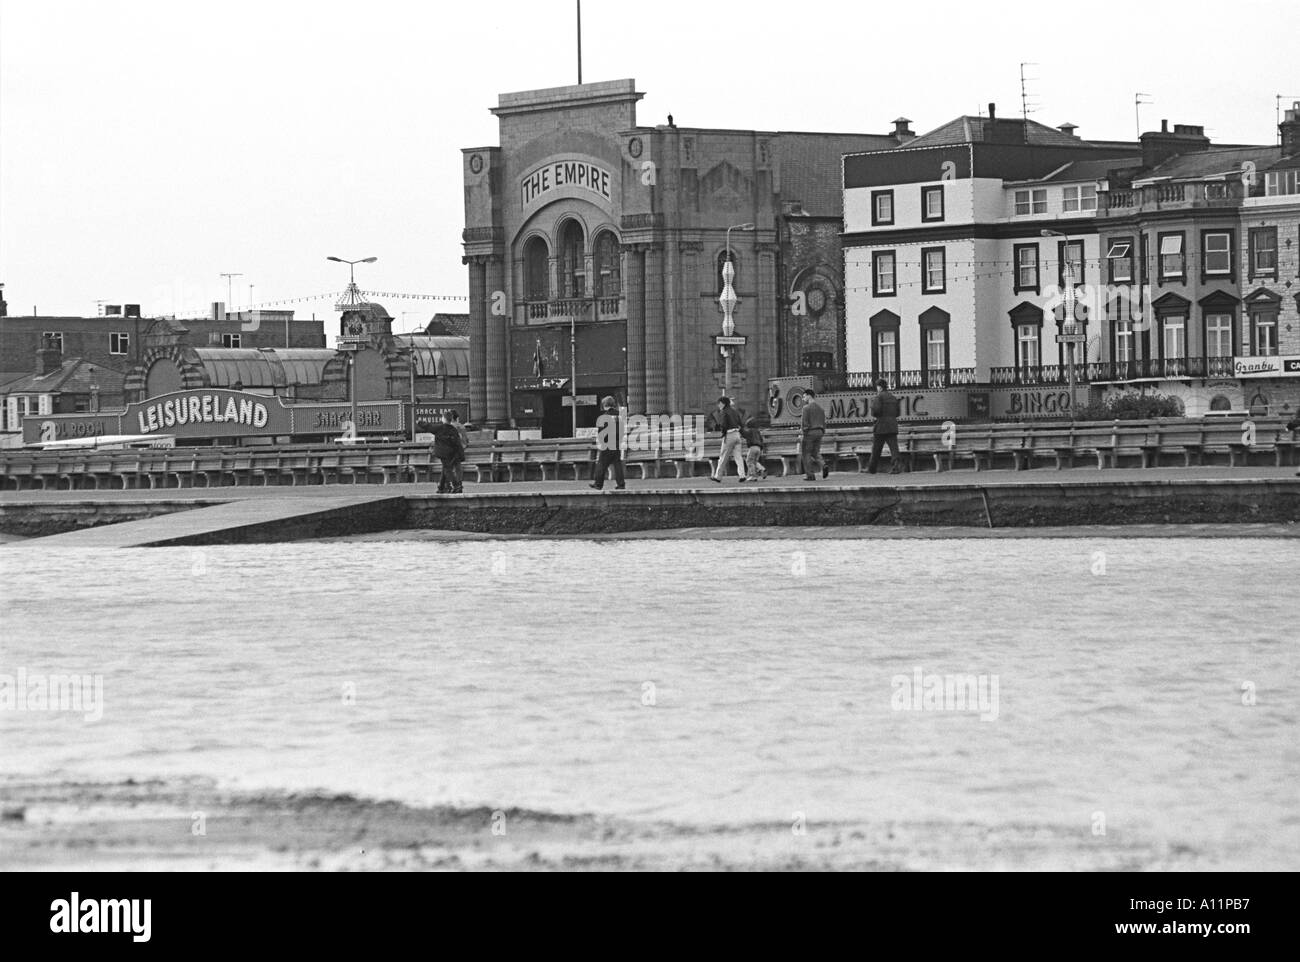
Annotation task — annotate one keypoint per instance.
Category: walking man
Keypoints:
(885, 408)
(812, 428)
(464, 447)
(609, 442)
(732, 443)
(448, 449)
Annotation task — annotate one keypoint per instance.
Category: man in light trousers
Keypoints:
(733, 445)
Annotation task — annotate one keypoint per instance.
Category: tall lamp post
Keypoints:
(351, 300)
(1069, 329)
(728, 301)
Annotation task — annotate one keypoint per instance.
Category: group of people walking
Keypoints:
(742, 442)
(885, 408)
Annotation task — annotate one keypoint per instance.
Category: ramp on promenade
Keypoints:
(245, 521)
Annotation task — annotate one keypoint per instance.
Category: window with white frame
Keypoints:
(1026, 267)
(1120, 258)
(1175, 342)
(52, 340)
(931, 203)
(882, 208)
(887, 352)
(1218, 335)
(119, 343)
(934, 269)
(1217, 252)
(231, 340)
(1081, 198)
(1124, 342)
(1171, 255)
(1031, 202)
(1263, 251)
(886, 270)
(936, 349)
(1263, 324)
(1029, 347)
(1278, 183)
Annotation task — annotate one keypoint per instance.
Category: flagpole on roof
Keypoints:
(579, 42)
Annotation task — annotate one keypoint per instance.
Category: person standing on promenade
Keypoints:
(754, 440)
(464, 447)
(885, 408)
(729, 423)
(812, 428)
(609, 442)
(448, 449)
(1294, 425)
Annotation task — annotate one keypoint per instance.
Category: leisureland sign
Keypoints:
(1266, 367)
(579, 176)
(216, 413)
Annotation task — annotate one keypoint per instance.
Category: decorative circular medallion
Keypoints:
(634, 146)
(476, 164)
(816, 300)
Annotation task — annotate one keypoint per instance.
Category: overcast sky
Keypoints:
(147, 146)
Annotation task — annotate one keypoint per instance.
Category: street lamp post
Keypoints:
(728, 301)
(1068, 328)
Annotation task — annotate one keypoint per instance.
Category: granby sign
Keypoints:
(215, 413)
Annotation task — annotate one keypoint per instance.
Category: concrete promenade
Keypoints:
(1040, 498)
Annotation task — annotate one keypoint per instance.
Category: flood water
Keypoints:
(710, 683)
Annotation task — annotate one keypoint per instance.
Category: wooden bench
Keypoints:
(974, 446)
(1044, 443)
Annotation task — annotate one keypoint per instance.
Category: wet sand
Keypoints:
(151, 826)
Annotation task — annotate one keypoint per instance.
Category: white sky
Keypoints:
(147, 146)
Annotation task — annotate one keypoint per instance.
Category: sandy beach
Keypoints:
(151, 826)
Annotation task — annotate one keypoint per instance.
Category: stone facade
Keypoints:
(594, 247)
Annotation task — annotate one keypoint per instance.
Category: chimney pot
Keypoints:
(1164, 126)
(993, 111)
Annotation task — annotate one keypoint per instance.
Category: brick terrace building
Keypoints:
(583, 218)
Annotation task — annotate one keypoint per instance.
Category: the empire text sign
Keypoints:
(582, 176)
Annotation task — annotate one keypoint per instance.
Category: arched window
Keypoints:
(884, 346)
(609, 274)
(573, 275)
(537, 271)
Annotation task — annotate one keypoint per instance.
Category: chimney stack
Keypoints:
(1290, 128)
(903, 130)
(218, 311)
(1159, 146)
(49, 358)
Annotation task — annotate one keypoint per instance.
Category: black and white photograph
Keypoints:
(563, 437)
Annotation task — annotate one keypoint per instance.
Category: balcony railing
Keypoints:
(571, 308)
(864, 380)
(1147, 369)
(1163, 196)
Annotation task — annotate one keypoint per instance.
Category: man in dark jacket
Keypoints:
(885, 408)
(728, 421)
(609, 442)
(448, 449)
(812, 428)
